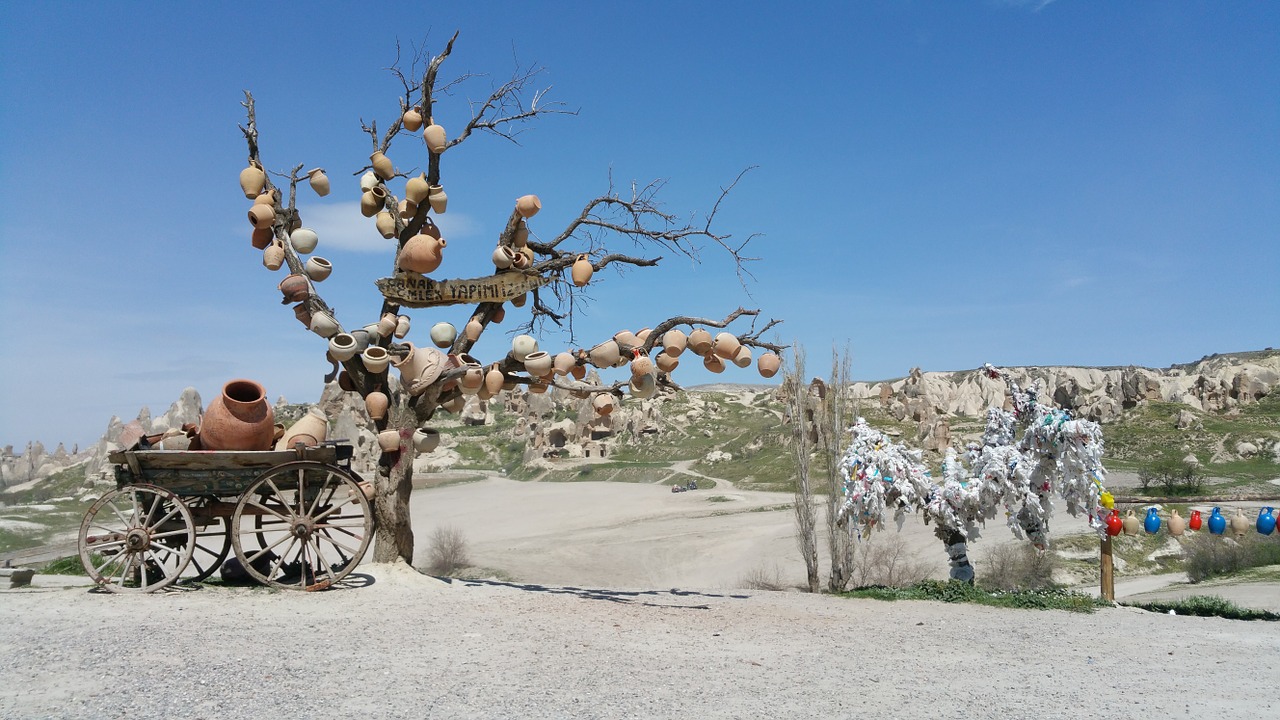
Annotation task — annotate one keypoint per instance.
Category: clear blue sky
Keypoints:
(940, 184)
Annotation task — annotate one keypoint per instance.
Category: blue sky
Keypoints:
(937, 185)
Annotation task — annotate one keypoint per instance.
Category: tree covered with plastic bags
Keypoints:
(1027, 455)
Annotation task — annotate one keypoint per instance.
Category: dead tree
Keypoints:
(832, 423)
(801, 405)
(545, 277)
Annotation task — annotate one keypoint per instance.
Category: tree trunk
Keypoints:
(799, 405)
(834, 419)
(393, 530)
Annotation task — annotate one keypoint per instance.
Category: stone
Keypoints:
(1186, 420)
(1246, 449)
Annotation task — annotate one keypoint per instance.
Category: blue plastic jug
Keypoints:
(1152, 522)
(1217, 523)
(1266, 521)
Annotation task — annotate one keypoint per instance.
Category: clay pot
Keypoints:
(382, 166)
(425, 440)
(435, 138)
(1114, 524)
(538, 363)
(1240, 524)
(267, 198)
(417, 189)
(252, 180)
(563, 363)
(643, 334)
(304, 240)
(666, 363)
(1131, 523)
(385, 223)
(303, 313)
(345, 383)
(473, 330)
(674, 342)
(438, 199)
(726, 345)
(605, 354)
(342, 347)
(522, 346)
(419, 368)
(412, 119)
(372, 201)
(402, 326)
(768, 364)
(422, 254)
(362, 339)
(311, 429)
(295, 288)
(742, 358)
(497, 316)
(318, 268)
(643, 386)
(368, 181)
(528, 205)
(577, 372)
(582, 270)
(1196, 522)
(494, 379)
(713, 362)
(261, 238)
(520, 260)
(240, 418)
(641, 364)
(407, 210)
(324, 324)
(443, 334)
(626, 339)
(319, 181)
(519, 300)
(503, 257)
(375, 403)
(375, 359)
(473, 380)
(262, 216)
(389, 441)
(520, 237)
(700, 341)
(603, 403)
(1177, 525)
(387, 324)
(537, 388)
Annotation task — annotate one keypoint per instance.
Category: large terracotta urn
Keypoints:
(238, 419)
(422, 254)
(375, 403)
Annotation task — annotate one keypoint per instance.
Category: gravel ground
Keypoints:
(397, 644)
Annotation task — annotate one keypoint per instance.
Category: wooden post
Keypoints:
(1108, 578)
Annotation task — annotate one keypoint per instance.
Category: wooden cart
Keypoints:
(296, 519)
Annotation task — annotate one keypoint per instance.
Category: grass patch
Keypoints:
(960, 592)
(70, 565)
(719, 499)
(1205, 606)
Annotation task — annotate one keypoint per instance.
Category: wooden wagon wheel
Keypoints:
(312, 525)
(213, 538)
(138, 538)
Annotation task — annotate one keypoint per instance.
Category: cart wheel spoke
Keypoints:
(314, 499)
(149, 535)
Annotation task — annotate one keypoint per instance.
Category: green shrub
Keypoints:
(953, 591)
(1210, 556)
(1172, 476)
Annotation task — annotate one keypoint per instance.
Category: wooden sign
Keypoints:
(413, 290)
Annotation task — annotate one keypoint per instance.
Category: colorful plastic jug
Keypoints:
(1217, 523)
(1266, 521)
(1152, 522)
(1114, 524)
(1196, 522)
